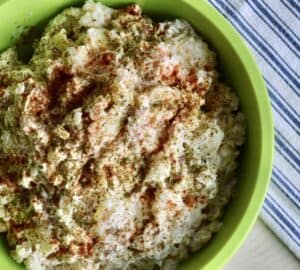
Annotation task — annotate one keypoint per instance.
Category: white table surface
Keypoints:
(262, 250)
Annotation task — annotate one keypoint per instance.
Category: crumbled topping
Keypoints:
(118, 143)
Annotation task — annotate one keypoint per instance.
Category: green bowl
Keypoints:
(241, 71)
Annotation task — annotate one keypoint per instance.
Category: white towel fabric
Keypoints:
(272, 30)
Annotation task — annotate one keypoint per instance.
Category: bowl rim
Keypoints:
(264, 171)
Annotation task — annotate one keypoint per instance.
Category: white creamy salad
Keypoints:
(118, 143)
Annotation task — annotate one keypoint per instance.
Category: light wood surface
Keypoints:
(262, 250)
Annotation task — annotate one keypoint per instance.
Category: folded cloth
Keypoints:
(272, 31)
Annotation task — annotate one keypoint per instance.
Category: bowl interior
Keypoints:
(238, 68)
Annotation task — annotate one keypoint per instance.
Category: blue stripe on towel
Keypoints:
(286, 187)
(291, 9)
(251, 37)
(288, 224)
(279, 223)
(269, 20)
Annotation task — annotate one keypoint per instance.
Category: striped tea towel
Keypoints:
(272, 30)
